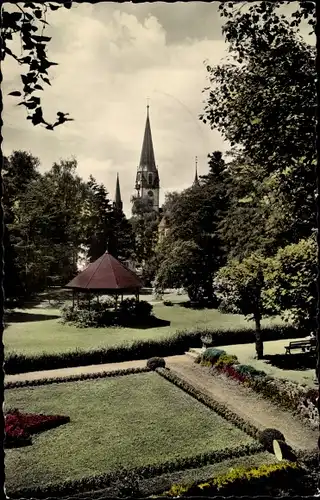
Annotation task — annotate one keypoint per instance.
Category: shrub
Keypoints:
(249, 371)
(212, 355)
(267, 436)
(167, 303)
(154, 363)
(226, 360)
(99, 314)
(241, 479)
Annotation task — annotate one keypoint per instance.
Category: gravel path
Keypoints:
(248, 404)
(78, 370)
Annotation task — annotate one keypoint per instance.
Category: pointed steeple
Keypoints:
(117, 199)
(147, 159)
(196, 180)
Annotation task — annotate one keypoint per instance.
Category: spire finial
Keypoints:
(196, 180)
(148, 105)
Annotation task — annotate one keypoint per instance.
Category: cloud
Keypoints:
(111, 58)
(108, 65)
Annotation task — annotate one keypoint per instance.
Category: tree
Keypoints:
(145, 222)
(182, 267)
(98, 214)
(291, 283)
(240, 285)
(28, 21)
(263, 102)
(47, 227)
(192, 217)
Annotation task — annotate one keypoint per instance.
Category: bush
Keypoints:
(267, 436)
(99, 314)
(133, 308)
(226, 360)
(154, 363)
(212, 355)
(249, 371)
(247, 481)
(167, 303)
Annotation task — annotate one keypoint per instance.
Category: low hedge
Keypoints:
(219, 408)
(142, 349)
(244, 481)
(74, 378)
(92, 483)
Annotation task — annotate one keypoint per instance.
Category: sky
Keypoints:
(111, 58)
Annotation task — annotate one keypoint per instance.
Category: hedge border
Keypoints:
(74, 378)
(175, 344)
(100, 481)
(218, 408)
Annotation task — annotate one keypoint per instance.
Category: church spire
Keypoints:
(147, 159)
(117, 199)
(196, 180)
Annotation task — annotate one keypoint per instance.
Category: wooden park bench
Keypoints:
(305, 345)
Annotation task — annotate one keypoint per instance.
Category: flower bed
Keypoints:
(295, 397)
(20, 426)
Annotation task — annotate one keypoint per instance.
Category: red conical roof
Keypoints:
(106, 273)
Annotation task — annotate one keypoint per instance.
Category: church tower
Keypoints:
(117, 204)
(147, 179)
(196, 182)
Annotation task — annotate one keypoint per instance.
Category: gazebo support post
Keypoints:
(78, 299)
(73, 292)
(116, 305)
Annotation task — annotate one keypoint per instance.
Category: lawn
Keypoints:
(131, 421)
(276, 360)
(36, 330)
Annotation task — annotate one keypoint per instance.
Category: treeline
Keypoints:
(50, 218)
(246, 237)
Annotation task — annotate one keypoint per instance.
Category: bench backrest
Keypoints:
(300, 343)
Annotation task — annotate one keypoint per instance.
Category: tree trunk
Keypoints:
(259, 341)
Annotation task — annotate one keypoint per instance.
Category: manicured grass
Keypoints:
(129, 421)
(51, 336)
(245, 354)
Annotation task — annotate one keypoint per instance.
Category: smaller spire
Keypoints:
(196, 180)
(117, 199)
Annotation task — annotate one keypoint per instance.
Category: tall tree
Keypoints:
(98, 220)
(47, 229)
(145, 223)
(192, 217)
(264, 104)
